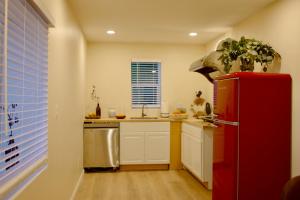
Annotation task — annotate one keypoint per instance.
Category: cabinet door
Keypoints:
(157, 147)
(132, 147)
(192, 154)
(196, 157)
(186, 149)
(207, 155)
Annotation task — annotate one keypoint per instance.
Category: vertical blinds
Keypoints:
(23, 89)
(145, 84)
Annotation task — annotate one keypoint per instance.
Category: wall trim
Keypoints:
(77, 185)
(39, 6)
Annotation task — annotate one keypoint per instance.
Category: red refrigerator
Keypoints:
(252, 136)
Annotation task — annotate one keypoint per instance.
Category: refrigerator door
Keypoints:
(226, 99)
(225, 162)
(252, 143)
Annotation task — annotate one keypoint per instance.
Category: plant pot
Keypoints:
(247, 66)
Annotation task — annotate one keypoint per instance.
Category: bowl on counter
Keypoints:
(92, 117)
(164, 115)
(120, 116)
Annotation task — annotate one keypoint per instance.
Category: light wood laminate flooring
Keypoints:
(141, 185)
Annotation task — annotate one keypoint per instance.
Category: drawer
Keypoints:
(144, 126)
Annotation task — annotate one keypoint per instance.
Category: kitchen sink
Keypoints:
(144, 117)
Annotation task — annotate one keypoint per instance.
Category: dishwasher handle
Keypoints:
(101, 130)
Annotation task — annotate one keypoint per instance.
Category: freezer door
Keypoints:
(225, 162)
(101, 147)
(226, 96)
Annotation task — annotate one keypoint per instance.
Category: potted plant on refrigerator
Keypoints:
(246, 52)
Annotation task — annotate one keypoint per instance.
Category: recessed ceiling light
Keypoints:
(110, 32)
(193, 34)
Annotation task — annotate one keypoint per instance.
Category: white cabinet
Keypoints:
(132, 148)
(144, 143)
(196, 156)
(157, 147)
(192, 149)
(208, 155)
(196, 152)
(185, 150)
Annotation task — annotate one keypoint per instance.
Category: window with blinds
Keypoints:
(145, 84)
(23, 89)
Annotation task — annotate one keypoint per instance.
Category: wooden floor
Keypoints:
(141, 185)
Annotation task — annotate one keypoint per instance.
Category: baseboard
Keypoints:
(144, 167)
(205, 184)
(77, 185)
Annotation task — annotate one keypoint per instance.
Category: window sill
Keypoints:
(15, 186)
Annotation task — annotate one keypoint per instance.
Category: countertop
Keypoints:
(126, 120)
(198, 122)
(195, 122)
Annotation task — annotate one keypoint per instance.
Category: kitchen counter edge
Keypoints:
(126, 120)
(194, 122)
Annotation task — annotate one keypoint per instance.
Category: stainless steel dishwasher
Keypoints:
(101, 143)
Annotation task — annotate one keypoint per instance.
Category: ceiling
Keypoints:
(161, 21)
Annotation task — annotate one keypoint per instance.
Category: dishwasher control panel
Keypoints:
(101, 125)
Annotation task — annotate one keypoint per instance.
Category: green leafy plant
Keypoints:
(247, 51)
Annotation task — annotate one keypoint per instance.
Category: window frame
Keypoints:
(25, 173)
(158, 85)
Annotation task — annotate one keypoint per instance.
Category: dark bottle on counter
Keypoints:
(207, 108)
(98, 111)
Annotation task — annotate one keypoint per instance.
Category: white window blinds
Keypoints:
(145, 84)
(23, 88)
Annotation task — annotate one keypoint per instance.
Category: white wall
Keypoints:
(278, 25)
(108, 68)
(67, 50)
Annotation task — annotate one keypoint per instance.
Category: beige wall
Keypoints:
(278, 24)
(108, 68)
(66, 107)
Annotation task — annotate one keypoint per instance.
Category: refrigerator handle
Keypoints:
(215, 124)
(215, 115)
(223, 122)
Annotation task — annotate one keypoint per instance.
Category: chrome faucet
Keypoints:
(143, 113)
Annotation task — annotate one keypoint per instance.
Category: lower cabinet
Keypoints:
(192, 151)
(186, 151)
(132, 148)
(196, 152)
(157, 147)
(144, 143)
(208, 155)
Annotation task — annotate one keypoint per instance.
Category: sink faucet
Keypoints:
(143, 113)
